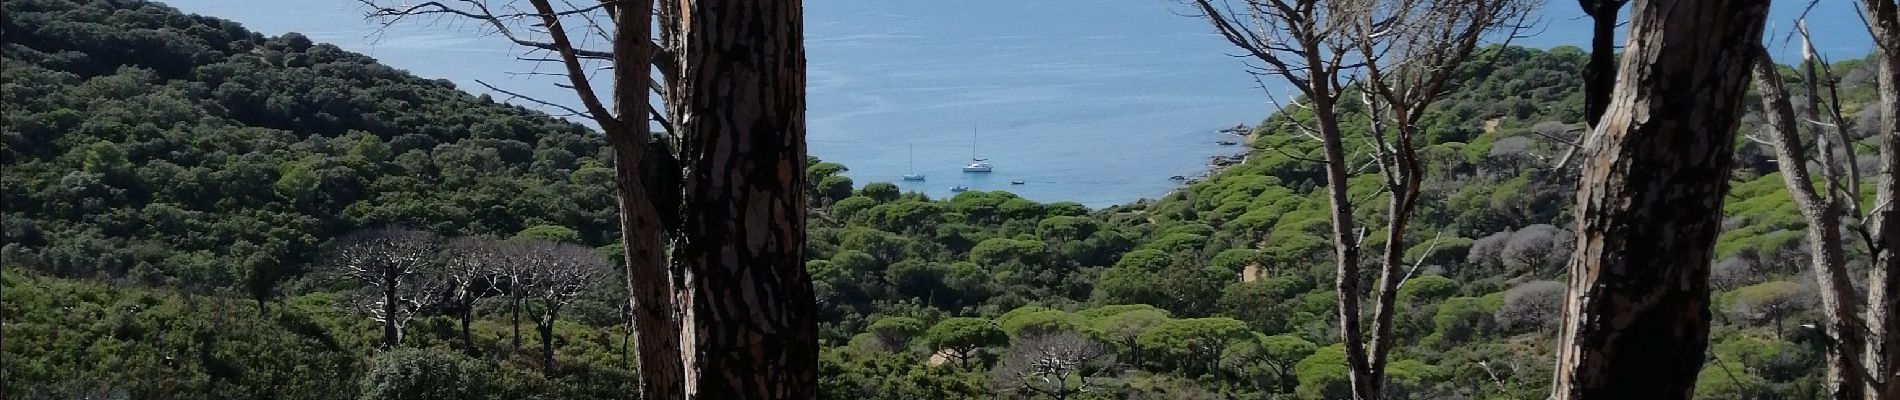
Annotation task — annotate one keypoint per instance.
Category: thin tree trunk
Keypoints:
(750, 320)
(1402, 180)
(514, 300)
(392, 333)
(1829, 261)
(1345, 247)
(1650, 206)
(651, 284)
(546, 328)
(467, 313)
(1883, 294)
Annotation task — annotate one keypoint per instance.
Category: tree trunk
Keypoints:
(1403, 180)
(652, 287)
(1829, 261)
(392, 333)
(1599, 77)
(546, 328)
(1345, 246)
(1883, 292)
(751, 319)
(468, 311)
(514, 300)
(1883, 327)
(1637, 315)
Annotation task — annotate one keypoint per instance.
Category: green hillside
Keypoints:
(174, 189)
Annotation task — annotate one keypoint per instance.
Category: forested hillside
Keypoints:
(179, 195)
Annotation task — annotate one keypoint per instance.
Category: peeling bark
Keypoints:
(1649, 209)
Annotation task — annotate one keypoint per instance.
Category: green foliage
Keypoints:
(551, 233)
(834, 188)
(1066, 228)
(850, 206)
(424, 374)
(1192, 343)
(1040, 321)
(1426, 288)
(819, 171)
(1460, 319)
(895, 332)
(964, 337)
(882, 192)
(199, 160)
(1322, 375)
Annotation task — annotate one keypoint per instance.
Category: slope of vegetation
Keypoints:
(171, 184)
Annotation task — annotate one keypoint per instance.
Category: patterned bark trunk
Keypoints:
(1637, 315)
(750, 329)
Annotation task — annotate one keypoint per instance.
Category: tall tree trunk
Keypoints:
(468, 342)
(392, 332)
(1883, 292)
(545, 326)
(1829, 261)
(750, 321)
(514, 303)
(650, 280)
(1345, 246)
(1402, 180)
(652, 286)
(1637, 315)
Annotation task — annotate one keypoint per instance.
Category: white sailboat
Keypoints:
(913, 175)
(976, 164)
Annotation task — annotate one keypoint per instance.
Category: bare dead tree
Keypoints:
(394, 268)
(1650, 203)
(564, 271)
(1823, 211)
(470, 271)
(1057, 365)
(1412, 48)
(515, 278)
(722, 182)
(1408, 51)
(1883, 294)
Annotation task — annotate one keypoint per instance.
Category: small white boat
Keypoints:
(1018, 182)
(959, 189)
(913, 175)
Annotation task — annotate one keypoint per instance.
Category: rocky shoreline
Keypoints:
(1220, 162)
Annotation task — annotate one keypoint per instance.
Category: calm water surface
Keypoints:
(1093, 101)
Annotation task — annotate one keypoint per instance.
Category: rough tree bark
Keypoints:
(1883, 337)
(1648, 211)
(751, 318)
(652, 283)
(1823, 213)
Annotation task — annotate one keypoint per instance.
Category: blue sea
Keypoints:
(1091, 101)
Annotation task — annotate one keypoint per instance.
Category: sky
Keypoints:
(1095, 101)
